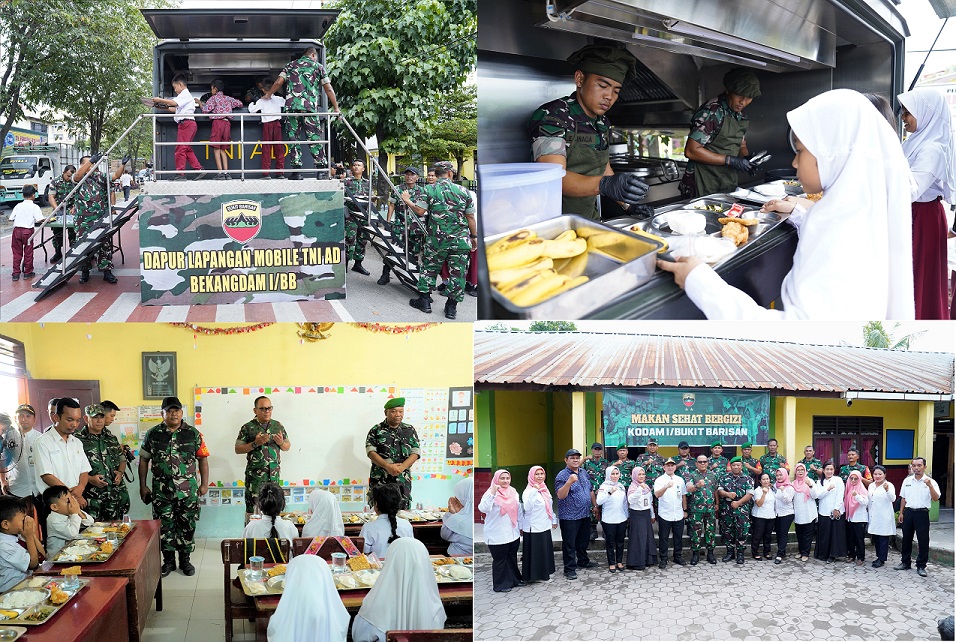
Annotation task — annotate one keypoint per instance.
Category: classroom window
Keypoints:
(838, 434)
(13, 370)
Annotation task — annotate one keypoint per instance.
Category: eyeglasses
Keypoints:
(265, 409)
(701, 461)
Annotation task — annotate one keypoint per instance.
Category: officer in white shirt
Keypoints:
(20, 481)
(671, 493)
(58, 456)
(916, 493)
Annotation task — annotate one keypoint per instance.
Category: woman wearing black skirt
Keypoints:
(502, 511)
(537, 553)
(831, 534)
(641, 552)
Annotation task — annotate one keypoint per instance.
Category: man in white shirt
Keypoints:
(671, 493)
(59, 456)
(20, 481)
(184, 106)
(916, 495)
(126, 180)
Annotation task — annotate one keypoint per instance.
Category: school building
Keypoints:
(539, 394)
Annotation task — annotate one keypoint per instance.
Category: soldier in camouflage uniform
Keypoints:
(355, 238)
(736, 491)
(651, 462)
(685, 463)
(451, 233)
(626, 465)
(813, 465)
(772, 460)
(393, 447)
(702, 510)
(397, 226)
(59, 189)
(261, 440)
(853, 463)
(718, 464)
(92, 204)
(595, 466)
(304, 77)
(105, 493)
(175, 452)
(751, 464)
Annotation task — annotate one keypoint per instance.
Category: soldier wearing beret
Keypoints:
(261, 440)
(575, 133)
(717, 145)
(392, 445)
(736, 490)
(751, 464)
(105, 492)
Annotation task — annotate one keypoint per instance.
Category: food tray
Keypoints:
(97, 557)
(101, 534)
(444, 575)
(609, 278)
(45, 609)
(420, 516)
(11, 633)
(357, 518)
(258, 588)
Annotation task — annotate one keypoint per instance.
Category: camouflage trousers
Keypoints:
(107, 504)
(303, 128)
(58, 239)
(178, 519)
(253, 483)
(101, 258)
(453, 250)
(703, 530)
(736, 523)
(355, 239)
(404, 482)
(415, 239)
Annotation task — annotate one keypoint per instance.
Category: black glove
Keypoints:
(623, 187)
(95, 158)
(741, 164)
(127, 159)
(641, 211)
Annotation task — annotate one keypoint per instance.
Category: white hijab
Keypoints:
(932, 142)
(326, 519)
(310, 607)
(405, 595)
(854, 259)
(463, 522)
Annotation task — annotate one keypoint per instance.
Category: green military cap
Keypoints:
(95, 409)
(737, 459)
(622, 447)
(747, 445)
(742, 82)
(716, 443)
(397, 402)
(613, 62)
(670, 460)
(652, 440)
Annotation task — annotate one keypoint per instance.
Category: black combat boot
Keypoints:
(740, 557)
(451, 309)
(188, 569)
(84, 276)
(729, 556)
(169, 562)
(471, 290)
(295, 176)
(710, 556)
(383, 280)
(423, 303)
(357, 267)
(694, 558)
(108, 276)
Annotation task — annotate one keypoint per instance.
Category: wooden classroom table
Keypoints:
(138, 560)
(98, 613)
(428, 533)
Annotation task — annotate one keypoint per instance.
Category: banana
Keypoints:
(564, 249)
(567, 235)
(538, 291)
(570, 283)
(573, 267)
(502, 279)
(510, 241)
(524, 252)
(516, 287)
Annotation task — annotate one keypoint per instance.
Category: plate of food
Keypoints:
(455, 573)
(345, 582)
(76, 551)
(23, 598)
(442, 561)
(276, 582)
(367, 577)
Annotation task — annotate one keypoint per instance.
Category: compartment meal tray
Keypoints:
(46, 606)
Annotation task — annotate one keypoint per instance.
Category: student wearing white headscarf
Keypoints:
(458, 526)
(854, 255)
(310, 608)
(404, 597)
(612, 498)
(326, 515)
(929, 148)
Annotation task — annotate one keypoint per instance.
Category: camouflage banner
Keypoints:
(241, 248)
(696, 416)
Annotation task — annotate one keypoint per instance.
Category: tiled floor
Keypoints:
(193, 606)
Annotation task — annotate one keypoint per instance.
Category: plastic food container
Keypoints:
(517, 195)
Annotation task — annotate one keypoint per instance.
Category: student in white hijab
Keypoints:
(326, 517)
(854, 255)
(404, 597)
(458, 527)
(929, 148)
(310, 607)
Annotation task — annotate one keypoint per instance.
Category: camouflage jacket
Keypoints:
(103, 451)
(174, 457)
(358, 186)
(815, 476)
(625, 467)
(702, 499)
(447, 205)
(553, 125)
(392, 444)
(685, 464)
(416, 192)
(846, 469)
(262, 461)
(753, 461)
(60, 188)
(596, 471)
(740, 485)
(707, 121)
(653, 466)
(718, 465)
(304, 78)
(770, 463)
(91, 198)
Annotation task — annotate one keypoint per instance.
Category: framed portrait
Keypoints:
(159, 375)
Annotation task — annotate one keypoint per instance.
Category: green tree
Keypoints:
(453, 132)
(501, 327)
(876, 336)
(553, 326)
(390, 62)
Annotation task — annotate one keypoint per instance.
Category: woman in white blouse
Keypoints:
(762, 517)
(805, 492)
(537, 553)
(612, 498)
(855, 498)
(882, 494)
(783, 509)
(641, 551)
(831, 535)
(502, 511)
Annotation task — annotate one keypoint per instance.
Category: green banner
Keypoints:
(699, 417)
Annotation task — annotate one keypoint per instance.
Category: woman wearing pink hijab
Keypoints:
(856, 499)
(502, 511)
(537, 553)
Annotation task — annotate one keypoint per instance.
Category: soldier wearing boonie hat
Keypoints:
(393, 447)
(574, 132)
(106, 494)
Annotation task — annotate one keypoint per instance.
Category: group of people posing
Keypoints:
(744, 500)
